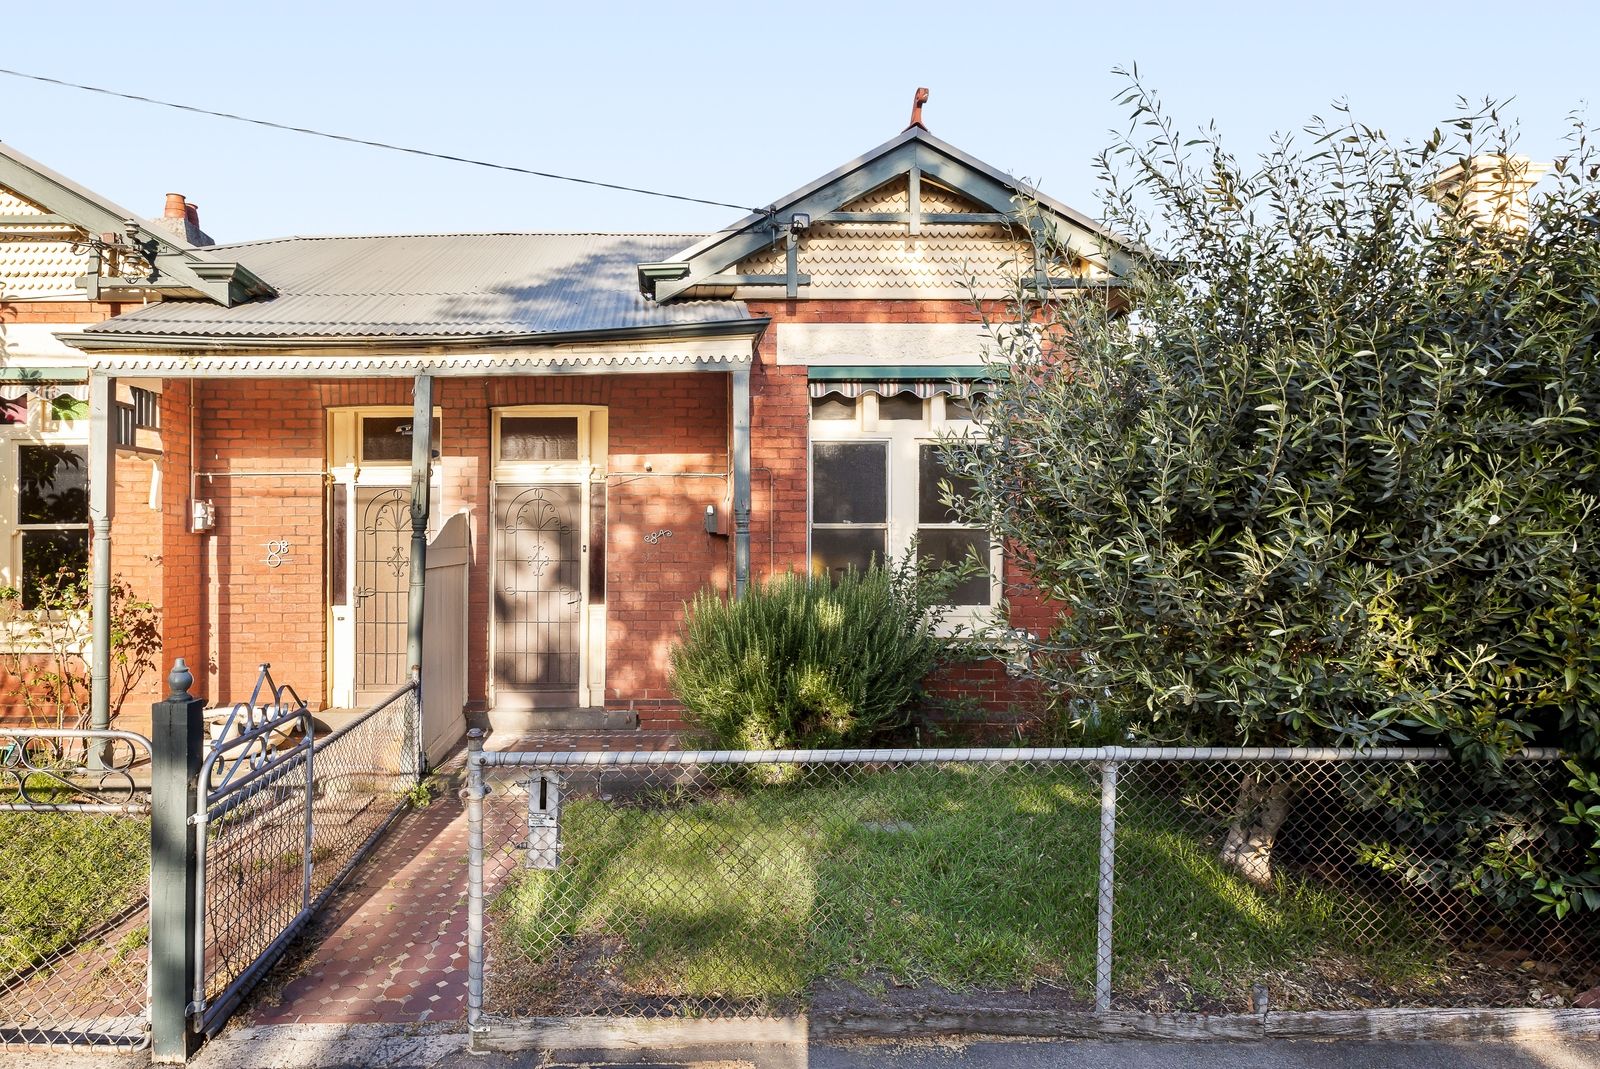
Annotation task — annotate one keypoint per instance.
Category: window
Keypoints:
(940, 535)
(387, 439)
(849, 504)
(878, 482)
(538, 438)
(44, 484)
(52, 514)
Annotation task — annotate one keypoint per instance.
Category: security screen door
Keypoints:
(539, 550)
(382, 589)
(538, 594)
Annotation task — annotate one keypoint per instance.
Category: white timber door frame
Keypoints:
(585, 472)
(351, 472)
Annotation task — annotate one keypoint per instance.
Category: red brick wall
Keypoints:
(678, 426)
(183, 555)
(667, 461)
(137, 555)
(64, 313)
(261, 445)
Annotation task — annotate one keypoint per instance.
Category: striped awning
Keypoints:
(889, 387)
(960, 381)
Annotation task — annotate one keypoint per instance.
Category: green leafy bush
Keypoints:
(1334, 480)
(808, 660)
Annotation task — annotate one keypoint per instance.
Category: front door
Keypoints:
(547, 554)
(538, 594)
(369, 551)
(382, 594)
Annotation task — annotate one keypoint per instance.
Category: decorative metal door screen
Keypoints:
(382, 589)
(538, 594)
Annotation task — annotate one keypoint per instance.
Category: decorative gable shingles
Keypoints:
(32, 265)
(846, 259)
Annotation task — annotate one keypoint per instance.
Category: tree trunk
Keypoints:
(1262, 809)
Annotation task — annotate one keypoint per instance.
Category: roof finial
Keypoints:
(916, 108)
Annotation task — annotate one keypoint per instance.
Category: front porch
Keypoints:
(308, 521)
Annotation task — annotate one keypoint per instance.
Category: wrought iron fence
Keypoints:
(840, 883)
(283, 817)
(74, 889)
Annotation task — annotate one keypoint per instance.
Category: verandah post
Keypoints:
(175, 755)
(102, 506)
(421, 479)
(741, 480)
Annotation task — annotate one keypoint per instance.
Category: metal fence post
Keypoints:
(176, 730)
(474, 795)
(1108, 871)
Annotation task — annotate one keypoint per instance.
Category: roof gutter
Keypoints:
(90, 342)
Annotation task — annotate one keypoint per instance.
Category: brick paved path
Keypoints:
(391, 944)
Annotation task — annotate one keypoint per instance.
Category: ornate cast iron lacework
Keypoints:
(251, 735)
(43, 768)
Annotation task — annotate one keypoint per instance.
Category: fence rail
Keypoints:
(74, 889)
(734, 884)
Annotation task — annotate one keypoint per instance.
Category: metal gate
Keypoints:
(74, 889)
(538, 595)
(281, 817)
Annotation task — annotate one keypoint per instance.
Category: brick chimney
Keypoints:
(1489, 190)
(182, 219)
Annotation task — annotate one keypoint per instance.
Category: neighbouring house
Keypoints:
(70, 258)
(615, 420)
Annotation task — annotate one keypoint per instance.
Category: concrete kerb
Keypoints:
(444, 1044)
(381, 1046)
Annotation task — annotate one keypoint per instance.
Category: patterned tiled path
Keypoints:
(390, 946)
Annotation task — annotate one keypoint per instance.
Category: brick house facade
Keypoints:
(620, 420)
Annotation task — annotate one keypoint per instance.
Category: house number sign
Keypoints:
(655, 537)
(278, 553)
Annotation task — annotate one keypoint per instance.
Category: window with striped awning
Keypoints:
(925, 381)
(923, 388)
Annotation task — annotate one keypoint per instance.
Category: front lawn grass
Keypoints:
(967, 878)
(65, 875)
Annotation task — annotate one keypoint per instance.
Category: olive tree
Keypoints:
(1324, 469)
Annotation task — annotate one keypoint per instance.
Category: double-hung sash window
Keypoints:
(52, 515)
(879, 483)
(849, 504)
(44, 486)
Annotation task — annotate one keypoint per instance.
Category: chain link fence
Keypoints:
(74, 889)
(763, 884)
(284, 820)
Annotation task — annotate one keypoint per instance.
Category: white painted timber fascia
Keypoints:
(719, 355)
(867, 344)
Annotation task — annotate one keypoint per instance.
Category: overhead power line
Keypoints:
(376, 144)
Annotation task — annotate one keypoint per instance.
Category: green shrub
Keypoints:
(810, 661)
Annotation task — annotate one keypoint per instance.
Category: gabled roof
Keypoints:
(914, 151)
(179, 267)
(431, 289)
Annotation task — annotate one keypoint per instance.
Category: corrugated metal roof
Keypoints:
(436, 285)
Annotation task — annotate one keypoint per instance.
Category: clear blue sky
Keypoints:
(739, 102)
